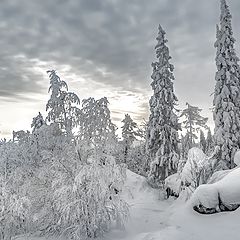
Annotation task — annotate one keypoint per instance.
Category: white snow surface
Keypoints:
(153, 218)
(237, 158)
(207, 195)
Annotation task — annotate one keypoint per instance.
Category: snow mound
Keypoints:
(237, 158)
(229, 187)
(174, 183)
(227, 190)
(134, 185)
(205, 195)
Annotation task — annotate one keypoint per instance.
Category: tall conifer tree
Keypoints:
(192, 122)
(209, 142)
(129, 133)
(162, 132)
(227, 89)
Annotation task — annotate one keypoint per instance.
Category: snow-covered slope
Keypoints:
(153, 218)
(147, 212)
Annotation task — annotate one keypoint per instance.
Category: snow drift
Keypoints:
(221, 195)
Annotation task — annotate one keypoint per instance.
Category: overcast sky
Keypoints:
(104, 48)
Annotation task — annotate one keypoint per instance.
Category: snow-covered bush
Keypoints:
(196, 170)
(87, 206)
(210, 195)
(49, 187)
(220, 196)
(54, 183)
(14, 202)
(173, 185)
(14, 212)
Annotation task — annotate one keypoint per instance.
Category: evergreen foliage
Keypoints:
(129, 133)
(163, 126)
(202, 141)
(192, 122)
(209, 142)
(227, 89)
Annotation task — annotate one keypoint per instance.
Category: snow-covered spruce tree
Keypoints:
(129, 133)
(226, 94)
(202, 141)
(62, 105)
(163, 126)
(209, 142)
(192, 122)
(142, 131)
(142, 158)
(185, 145)
(137, 155)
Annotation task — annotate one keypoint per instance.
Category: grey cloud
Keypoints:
(115, 36)
(17, 79)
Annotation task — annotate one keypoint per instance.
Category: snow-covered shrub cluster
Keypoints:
(55, 183)
(87, 206)
(196, 170)
(219, 196)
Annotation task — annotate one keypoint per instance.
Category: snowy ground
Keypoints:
(147, 213)
(156, 219)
